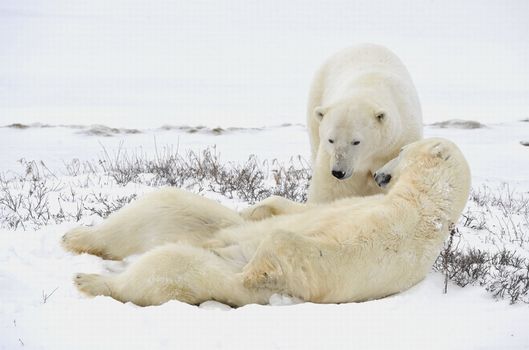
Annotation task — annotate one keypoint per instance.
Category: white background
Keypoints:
(248, 63)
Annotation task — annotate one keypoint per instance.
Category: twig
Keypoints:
(45, 296)
(448, 249)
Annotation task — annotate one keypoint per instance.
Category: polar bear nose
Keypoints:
(338, 174)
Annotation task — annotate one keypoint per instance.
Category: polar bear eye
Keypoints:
(355, 143)
(331, 141)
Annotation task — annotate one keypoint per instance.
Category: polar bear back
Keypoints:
(344, 67)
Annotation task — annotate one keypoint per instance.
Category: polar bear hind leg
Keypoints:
(164, 216)
(175, 272)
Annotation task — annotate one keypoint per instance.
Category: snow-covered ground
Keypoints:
(41, 309)
(490, 149)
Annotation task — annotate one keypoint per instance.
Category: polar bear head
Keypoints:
(356, 133)
(435, 166)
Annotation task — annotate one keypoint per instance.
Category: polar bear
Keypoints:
(352, 249)
(362, 108)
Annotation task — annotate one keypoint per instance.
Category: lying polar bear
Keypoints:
(353, 249)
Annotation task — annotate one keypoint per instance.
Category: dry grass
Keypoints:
(498, 259)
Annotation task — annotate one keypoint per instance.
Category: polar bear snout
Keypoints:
(341, 168)
(382, 179)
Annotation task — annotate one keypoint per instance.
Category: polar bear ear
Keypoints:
(440, 151)
(319, 113)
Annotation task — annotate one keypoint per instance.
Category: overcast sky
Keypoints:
(229, 63)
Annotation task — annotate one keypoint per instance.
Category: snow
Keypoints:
(41, 309)
(420, 318)
(486, 148)
(246, 63)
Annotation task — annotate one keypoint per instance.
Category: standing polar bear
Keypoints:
(362, 108)
(353, 249)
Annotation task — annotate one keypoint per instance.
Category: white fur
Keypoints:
(349, 91)
(166, 216)
(353, 249)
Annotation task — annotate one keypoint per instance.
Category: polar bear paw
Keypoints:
(92, 284)
(85, 240)
(263, 274)
(77, 240)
